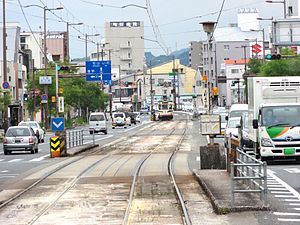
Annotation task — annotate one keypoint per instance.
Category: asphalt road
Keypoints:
(19, 163)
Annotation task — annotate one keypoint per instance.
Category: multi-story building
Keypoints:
(292, 8)
(33, 42)
(233, 42)
(196, 54)
(57, 45)
(126, 40)
(16, 72)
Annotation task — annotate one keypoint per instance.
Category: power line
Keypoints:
(222, 6)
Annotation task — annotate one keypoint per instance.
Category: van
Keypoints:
(119, 119)
(237, 110)
(97, 123)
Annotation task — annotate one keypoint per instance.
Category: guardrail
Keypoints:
(250, 173)
(77, 137)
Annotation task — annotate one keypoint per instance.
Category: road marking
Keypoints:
(286, 196)
(288, 187)
(15, 160)
(293, 170)
(280, 192)
(1, 160)
(294, 204)
(40, 158)
(276, 189)
(292, 200)
(298, 209)
(4, 171)
(286, 214)
(289, 220)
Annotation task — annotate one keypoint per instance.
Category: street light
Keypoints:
(45, 8)
(86, 40)
(68, 42)
(284, 5)
(134, 5)
(208, 28)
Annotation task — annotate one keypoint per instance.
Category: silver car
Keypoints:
(20, 138)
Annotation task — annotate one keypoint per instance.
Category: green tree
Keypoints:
(282, 67)
(5, 100)
(255, 65)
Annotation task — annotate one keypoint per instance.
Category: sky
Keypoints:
(177, 21)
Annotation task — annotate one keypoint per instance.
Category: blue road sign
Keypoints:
(98, 70)
(5, 85)
(44, 97)
(58, 124)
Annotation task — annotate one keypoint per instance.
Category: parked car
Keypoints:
(201, 110)
(119, 120)
(144, 110)
(20, 138)
(40, 133)
(232, 130)
(245, 141)
(97, 123)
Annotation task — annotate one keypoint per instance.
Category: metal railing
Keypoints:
(250, 174)
(77, 137)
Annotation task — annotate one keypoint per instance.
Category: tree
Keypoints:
(282, 67)
(5, 100)
(254, 66)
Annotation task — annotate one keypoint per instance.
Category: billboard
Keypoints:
(286, 32)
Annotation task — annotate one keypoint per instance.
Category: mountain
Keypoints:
(182, 54)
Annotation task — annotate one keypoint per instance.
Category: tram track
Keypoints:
(70, 183)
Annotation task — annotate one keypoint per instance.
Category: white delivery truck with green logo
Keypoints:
(274, 109)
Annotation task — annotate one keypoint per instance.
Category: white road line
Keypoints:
(15, 160)
(276, 189)
(286, 196)
(4, 171)
(1, 160)
(286, 214)
(7, 176)
(294, 204)
(292, 200)
(40, 158)
(288, 220)
(273, 185)
(288, 187)
(298, 209)
(280, 192)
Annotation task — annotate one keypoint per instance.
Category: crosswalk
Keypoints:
(289, 197)
(16, 160)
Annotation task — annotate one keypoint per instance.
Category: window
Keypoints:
(226, 47)
(160, 81)
(129, 55)
(234, 70)
(198, 83)
(129, 65)
(23, 39)
(128, 43)
(290, 13)
(165, 92)
(211, 60)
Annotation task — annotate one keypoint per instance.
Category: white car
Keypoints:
(40, 133)
(97, 123)
(119, 120)
(232, 130)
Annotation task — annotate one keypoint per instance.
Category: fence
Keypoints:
(250, 174)
(77, 137)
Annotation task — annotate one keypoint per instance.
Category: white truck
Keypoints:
(274, 110)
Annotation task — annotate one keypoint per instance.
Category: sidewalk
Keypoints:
(217, 186)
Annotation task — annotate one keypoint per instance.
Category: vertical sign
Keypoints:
(61, 107)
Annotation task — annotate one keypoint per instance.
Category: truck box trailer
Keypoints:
(274, 110)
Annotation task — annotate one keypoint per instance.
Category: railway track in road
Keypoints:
(94, 188)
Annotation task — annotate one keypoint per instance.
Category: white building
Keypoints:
(34, 42)
(126, 39)
(292, 9)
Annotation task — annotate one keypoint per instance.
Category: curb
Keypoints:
(84, 148)
(221, 210)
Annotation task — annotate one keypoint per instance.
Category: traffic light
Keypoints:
(273, 56)
(25, 97)
(53, 98)
(63, 68)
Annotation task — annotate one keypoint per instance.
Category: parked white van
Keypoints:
(97, 123)
(237, 110)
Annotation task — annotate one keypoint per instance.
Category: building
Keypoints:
(292, 9)
(126, 40)
(16, 72)
(196, 54)
(57, 45)
(162, 83)
(33, 42)
(233, 42)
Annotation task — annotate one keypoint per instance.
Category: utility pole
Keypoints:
(68, 39)
(5, 116)
(151, 94)
(98, 52)
(174, 86)
(33, 87)
(45, 68)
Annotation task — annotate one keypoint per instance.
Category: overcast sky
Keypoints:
(177, 20)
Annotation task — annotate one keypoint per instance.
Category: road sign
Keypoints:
(210, 124)
(98, 71)
(5, 85)
(58, 124)
(256, 48)
(45, 80)
(44, 98)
